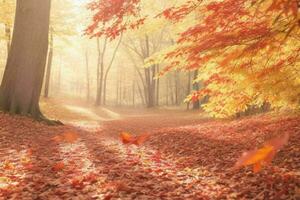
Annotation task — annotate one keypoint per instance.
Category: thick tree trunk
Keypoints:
(49, 66)
(23, 77)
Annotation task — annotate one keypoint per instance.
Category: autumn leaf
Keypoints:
(128, 138)
(77, 183)
(25, 160)
(58, 166)
(8, 165)
(70, 137)
(91, 178)
(262, 156)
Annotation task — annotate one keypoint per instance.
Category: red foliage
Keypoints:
(109, 17)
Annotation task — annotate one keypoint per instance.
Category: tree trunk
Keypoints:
(108, 69)
(133, 93)
(196, 104)
(157, 87)
(176, 80)
(23, 77)
(49, 66)
(141, 94)
(87, 76)
(8, 37)
(101, 73)
(188, 89)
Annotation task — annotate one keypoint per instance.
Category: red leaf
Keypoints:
(58, 166)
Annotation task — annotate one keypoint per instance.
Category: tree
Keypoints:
(61, 12)
(226, 45)
(23, 77)
(6, 18)
(104, 13)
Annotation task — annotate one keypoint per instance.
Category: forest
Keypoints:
(149, 99)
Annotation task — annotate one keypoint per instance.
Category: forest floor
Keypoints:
(187, 156)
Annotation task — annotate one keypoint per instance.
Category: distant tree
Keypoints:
(62, 25)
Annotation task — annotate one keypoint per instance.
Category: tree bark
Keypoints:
(8, 37)
(87, 76)
(188, 89)
(100, 74)
(108, 69)
(23, 77)
(157, 86)
(196, 104)
(49, 66)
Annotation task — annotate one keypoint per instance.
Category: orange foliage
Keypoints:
(262, 156)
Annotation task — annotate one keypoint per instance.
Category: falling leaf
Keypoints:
(262, 156)
(128, 138)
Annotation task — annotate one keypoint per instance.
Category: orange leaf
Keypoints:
(8, 165)
(259, 155)
(58, 166)
(25, 160)
(77, 183)
(70, 137)
(263, 155)
(126, 137)
(257, 167)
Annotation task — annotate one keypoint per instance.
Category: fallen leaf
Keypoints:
(70, 137)
(8, 165)
(58, 166)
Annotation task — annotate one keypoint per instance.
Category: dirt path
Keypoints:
(185, 158)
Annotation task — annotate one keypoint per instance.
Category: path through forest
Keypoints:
(186, 157)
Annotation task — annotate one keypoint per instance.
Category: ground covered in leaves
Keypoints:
(185, 157)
